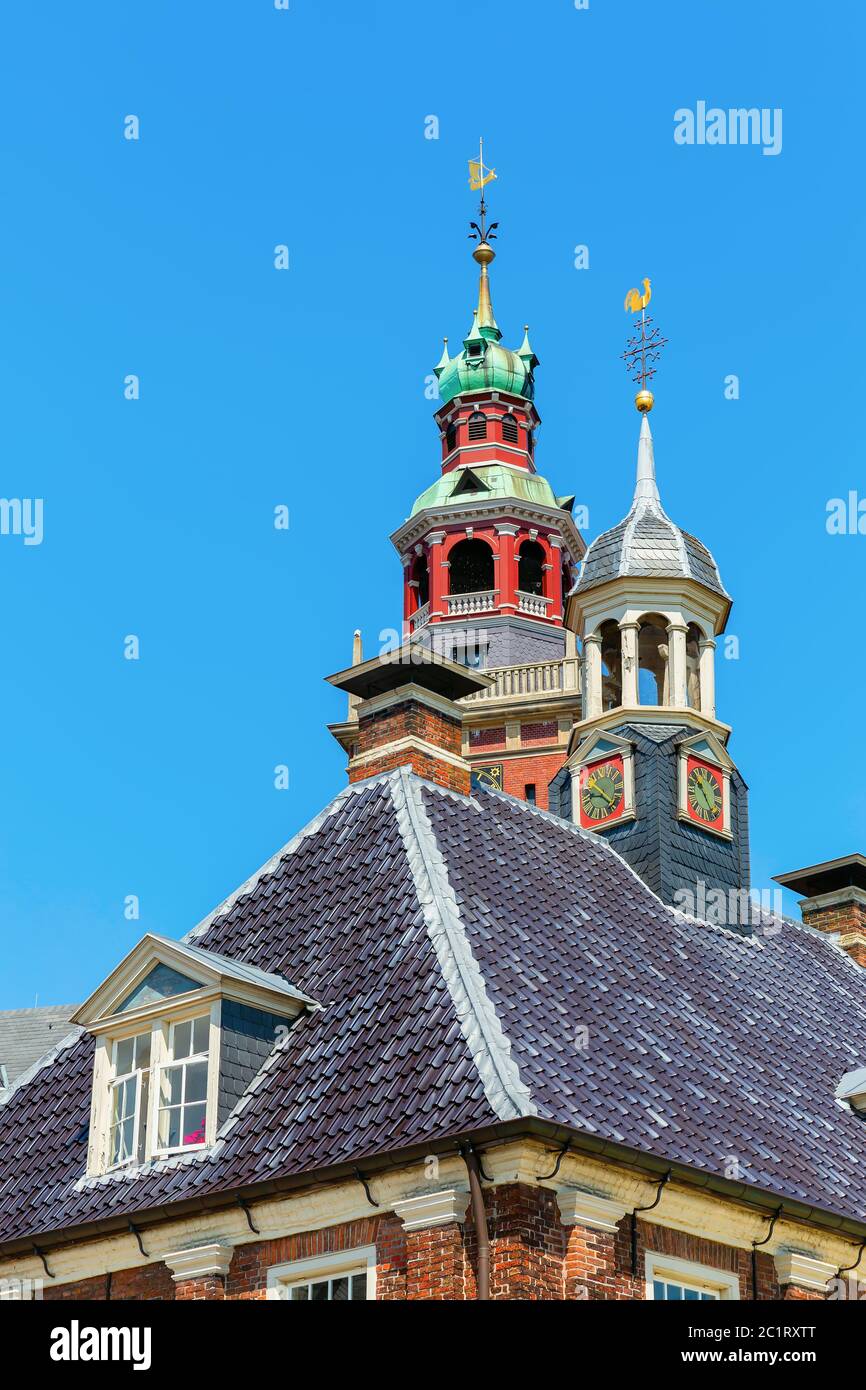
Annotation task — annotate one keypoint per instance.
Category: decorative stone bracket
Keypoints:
(579, 1208)
(201, 1261)
(432, 1209)
(803, 1270)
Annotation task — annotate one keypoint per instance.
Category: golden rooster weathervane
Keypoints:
(644, 349)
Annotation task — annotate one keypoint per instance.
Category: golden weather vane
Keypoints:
(644, 349)
(479, 175)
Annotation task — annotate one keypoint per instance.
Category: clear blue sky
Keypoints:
(306, 388)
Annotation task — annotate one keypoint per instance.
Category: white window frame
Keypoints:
(338, 1265)
(704, 1278)
(168, 1063)
(119, 1080)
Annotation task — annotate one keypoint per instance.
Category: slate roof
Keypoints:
(26, 1034)
(459, 947)
(646, 542)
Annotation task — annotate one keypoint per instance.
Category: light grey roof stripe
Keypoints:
(44, 1061)
(487, 1043)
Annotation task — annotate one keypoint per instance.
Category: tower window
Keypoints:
(530, 442)
(471, 567)
(509, 429)
(529, 793)
(530, 568)
(477, 425)
(450, 438)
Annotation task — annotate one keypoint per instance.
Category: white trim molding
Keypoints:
(793, 1267)
(334, 1266)
(579, 1208)
(720, 1282)
(200, 1261)
(432, 1209)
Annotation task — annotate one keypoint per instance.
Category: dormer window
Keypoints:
(180, 1034)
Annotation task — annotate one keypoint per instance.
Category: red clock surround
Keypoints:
(601, 791)
(705, 794)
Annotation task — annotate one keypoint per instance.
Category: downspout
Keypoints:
(479, 1218)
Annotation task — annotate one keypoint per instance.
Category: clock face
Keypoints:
(602, 792)
(704, 794)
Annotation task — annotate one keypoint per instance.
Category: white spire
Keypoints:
(645, 489)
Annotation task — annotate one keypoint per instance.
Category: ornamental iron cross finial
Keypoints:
(644, 348)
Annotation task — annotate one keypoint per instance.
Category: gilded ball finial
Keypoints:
(484, 253)
(644, 400)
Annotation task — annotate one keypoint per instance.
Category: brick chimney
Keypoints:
(834, 900)
(405, 706)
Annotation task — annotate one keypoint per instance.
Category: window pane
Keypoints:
(171, 1085)
(193, 1124)
(169, 1129)
(142, 1050)
(142, 1118)
(201, 1033)
(160, 983)
(339, 1290)
(196, 1081)
(658, 1289)
(319, 1291)
(691, 1294)
(182, 1040)
(300, 1293)
(124, 1052)
(359, 1286)
(673, 1291)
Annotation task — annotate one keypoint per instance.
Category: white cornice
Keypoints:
(472, 513)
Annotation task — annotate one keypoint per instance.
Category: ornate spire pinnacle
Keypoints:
(646, 488)
(479, 175)
(443, 360)
(644, 349)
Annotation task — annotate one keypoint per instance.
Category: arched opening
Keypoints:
(530, 568)
(451, 438)
(420, 581)
(694, 637)
(652, 660)
(471, 569)
(477, 425)
(611, 665)
(567, 579)
(509, 429)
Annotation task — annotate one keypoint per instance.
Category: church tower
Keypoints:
(648, 764)
(489, 552)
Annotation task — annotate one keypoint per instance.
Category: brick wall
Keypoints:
(539, 769)
(843, 918)
(533, 1257)
(412, 719)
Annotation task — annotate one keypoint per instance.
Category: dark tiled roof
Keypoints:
(460, 946)
(27, 1034)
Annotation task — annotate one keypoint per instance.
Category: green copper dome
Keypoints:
(485, 482)
(484, 364)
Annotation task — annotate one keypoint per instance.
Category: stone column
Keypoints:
(507, 577)
(708, 677)
(438, 574)
(628, 647)
(200, 1272)
(556, 609)
(591, 1227)
(434, 1244)
(592, 675)
(677, 665)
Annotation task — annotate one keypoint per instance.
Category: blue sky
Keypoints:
(306, 388)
